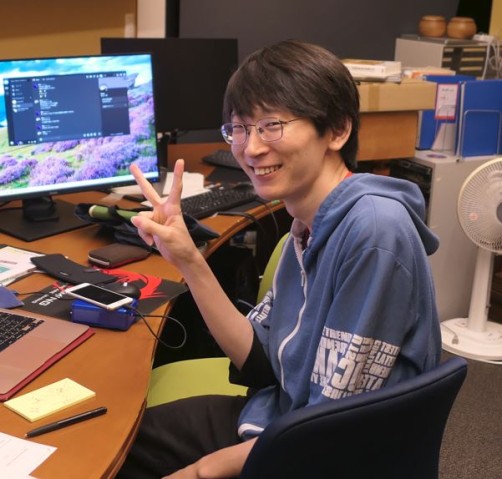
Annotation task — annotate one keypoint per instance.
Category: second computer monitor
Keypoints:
(190, 77)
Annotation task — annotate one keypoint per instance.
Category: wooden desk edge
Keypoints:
(226, 225)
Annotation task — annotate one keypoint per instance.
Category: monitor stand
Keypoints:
(40, 218)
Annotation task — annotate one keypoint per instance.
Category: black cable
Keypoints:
(271, 212)
(156, 336)
(17, 293)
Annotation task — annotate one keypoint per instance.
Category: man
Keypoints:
(352, 307)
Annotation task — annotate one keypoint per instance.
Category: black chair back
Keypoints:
(393, 433)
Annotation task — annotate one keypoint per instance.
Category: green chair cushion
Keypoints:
(192, 377)
(268, 274)
(198, 377)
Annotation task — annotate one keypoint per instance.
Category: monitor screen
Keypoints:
(190, 78)
(71, 124)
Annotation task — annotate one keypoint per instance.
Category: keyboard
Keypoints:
(222, 158)
(14, 327)
(217, 199)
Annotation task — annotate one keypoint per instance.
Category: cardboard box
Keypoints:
(389, 117)
(387, 135)
(410, 94)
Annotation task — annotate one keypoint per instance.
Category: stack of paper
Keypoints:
(375, 70)
(193, 184)
(15, 263)
(18, 457)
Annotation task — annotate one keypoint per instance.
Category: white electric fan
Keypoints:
(479, 211)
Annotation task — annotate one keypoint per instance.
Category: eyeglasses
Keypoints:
(268, 129)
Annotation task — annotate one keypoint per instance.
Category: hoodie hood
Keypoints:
(343, 198)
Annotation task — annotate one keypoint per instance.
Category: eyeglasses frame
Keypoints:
(256, 126)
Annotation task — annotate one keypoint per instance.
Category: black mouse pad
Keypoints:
(155, 292)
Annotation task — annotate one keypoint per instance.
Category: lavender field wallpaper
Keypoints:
(43, 165)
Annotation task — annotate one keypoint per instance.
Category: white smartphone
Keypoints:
(99, 296)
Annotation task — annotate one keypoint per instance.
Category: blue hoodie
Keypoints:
(354, 310)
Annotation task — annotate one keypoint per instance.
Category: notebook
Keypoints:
(30, 355)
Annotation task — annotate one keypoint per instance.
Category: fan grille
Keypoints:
(480, 206)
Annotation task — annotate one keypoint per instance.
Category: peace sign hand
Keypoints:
(164, 225)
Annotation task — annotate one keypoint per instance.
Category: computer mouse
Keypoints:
(127, 289)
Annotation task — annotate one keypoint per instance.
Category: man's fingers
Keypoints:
(177, 185)
(147, 227)
(146, 188)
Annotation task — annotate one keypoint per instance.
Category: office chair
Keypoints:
(393, 433)
(195, 377)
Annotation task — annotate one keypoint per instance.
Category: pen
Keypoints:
(66, 422)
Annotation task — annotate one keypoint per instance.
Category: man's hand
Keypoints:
(165, 226)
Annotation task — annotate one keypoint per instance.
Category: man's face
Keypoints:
(294, 168)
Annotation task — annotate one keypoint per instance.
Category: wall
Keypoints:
(66, 27)
(31, 28)
(496, 19)
(360, 28)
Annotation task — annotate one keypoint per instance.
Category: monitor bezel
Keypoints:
(180, 66)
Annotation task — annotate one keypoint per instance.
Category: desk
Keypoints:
(114, 364)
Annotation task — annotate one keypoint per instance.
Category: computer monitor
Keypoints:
(190, 78)
(71, 124)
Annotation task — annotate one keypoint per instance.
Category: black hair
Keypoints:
(304, 79)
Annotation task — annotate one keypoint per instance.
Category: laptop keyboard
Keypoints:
(14, 327)
(215, 200)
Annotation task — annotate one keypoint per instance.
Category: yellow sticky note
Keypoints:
(49, 399)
